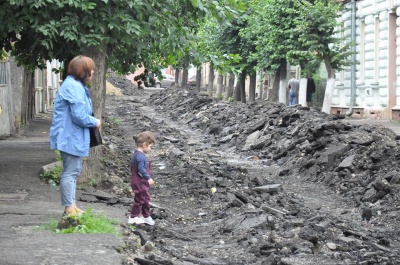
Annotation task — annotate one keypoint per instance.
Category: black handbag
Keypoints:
(95, 137)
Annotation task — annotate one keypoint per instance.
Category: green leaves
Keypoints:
(150, 32)
(294, 31)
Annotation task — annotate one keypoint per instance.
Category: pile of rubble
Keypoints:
(361, 162)
(258, 183)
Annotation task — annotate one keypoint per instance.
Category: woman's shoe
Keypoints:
(70, 210)
(69, 214)
(79, 211)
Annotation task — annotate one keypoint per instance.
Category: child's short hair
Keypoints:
(144, 137)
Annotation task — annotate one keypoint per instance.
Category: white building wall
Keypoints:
(53, 81)
(372, 92)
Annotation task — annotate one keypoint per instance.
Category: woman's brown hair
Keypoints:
(81, 68)
(144, 137)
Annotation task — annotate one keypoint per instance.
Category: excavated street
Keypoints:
(256, 184)
(236, 183)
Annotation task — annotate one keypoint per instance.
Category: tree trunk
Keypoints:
(91, 168)
(252, 87)
(330, 85)
(198, 78)
(261, 85)
(177, 73)
(231, 82)
(243, 86)
(279, 74)
(219, 85)
(185, 72)
(302, 96)
(283, 91)
(28, 97)
(184, 77)
(210, 86)
(64, 72)
(274, 96)
(236, 94)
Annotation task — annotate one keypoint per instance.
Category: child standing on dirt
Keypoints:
(141, 179)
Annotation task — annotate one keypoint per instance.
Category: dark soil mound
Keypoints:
(257, 183)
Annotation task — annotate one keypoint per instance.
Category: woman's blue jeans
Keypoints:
(72, 166)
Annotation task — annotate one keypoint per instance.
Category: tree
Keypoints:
(217, 45)
(119, 34)
(236, 51)
(322, 37)
(272, 24)
(295, 32)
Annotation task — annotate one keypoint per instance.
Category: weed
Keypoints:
(88, 223)
(230, 99)
(113, 121)
(220, 97)
(92, 182)
(53, 175)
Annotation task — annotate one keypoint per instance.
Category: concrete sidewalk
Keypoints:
(393, 125)
(26, 204)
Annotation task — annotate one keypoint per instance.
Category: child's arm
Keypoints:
(142, 168)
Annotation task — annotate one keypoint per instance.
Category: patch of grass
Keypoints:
(221, 97)
(53, 175)
(113, 121)
(88, 223)
(92, 182)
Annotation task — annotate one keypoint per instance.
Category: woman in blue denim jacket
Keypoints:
(69, 132)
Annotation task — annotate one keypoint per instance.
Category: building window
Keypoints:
(341, 73)
(376, 49)
(3, 73)
(362, 52)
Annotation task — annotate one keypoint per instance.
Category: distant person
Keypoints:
(293, 87)
(310, 91)
(141, 179)
(69, 131)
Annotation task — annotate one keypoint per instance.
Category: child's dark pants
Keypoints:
(140, 187)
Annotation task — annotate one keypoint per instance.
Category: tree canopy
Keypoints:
(232, 35)
(272, 31)
(129, 32)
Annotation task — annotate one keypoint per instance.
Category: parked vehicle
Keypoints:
(167, 81)
(192, 81)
